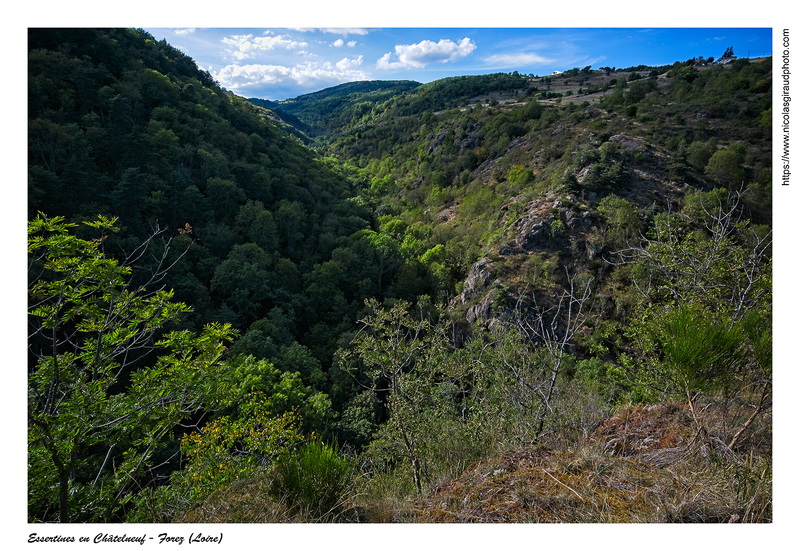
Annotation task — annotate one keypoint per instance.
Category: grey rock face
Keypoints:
(468, 143)
(437, 141)
(477, 279)
(533, 231)
(625, 142)
(481, 310)
(593, 250)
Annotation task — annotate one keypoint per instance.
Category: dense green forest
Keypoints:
(391, 301)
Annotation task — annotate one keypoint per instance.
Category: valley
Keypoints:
(491, 298)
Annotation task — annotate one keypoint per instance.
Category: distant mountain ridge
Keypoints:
(311, 112)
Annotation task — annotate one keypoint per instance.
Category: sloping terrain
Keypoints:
(492, 298)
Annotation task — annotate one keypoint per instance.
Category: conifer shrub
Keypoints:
(313, 480)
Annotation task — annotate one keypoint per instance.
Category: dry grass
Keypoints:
(543, 485)
(641, 465)
(249, 501)
(242, 501)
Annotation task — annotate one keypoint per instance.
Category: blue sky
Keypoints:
(281, 63)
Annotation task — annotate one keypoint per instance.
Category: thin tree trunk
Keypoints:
(414, 463)
(764, 394)
(546, 401)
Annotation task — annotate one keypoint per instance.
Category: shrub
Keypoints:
(698, 153)
(725, 167)
(313, 480)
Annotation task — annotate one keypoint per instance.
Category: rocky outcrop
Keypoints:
(533, 231)
(478, 278)
(593, 250)
(467, 144)
(627, 144)
(576, 220)
(481, 310)
(437, 141)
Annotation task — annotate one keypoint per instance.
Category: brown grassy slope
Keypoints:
(641, 465)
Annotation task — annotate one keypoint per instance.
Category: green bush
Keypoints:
(725, 166)
(698, 153)
(313, 480)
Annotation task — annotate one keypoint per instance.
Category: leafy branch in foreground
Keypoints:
(90, 383)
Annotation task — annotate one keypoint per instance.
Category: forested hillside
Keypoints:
(388, 301)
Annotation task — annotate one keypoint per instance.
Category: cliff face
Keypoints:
(566, 228)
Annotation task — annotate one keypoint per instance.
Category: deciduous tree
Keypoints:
(99, 376)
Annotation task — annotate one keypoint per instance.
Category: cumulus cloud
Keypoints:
(338, 44)
(421, 54)
(183, 32)
(351, 43)
(242, 77)
(242, 47)
(347, 64)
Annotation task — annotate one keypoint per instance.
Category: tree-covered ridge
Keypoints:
(112, 134)
(317, 112)
(456, 269)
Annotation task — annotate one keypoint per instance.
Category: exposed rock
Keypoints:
(534, 233)
(481, 310)
(505, 250)
(445, 215)
(592, 250)
(580, 176)
(575, 220)
(437, 141)
(630, 144)
(572, 221)
(521, 141)
(467, 144)
(495, 325)
(478, 278)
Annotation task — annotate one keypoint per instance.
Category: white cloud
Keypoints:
(241, 77)
(236, 77)
(183, 32)
(515, 60)
(421, 54)
(346, 31)
(338, 44)
(347, 64)
(351, 43)
(241, 47)
(337, 30)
